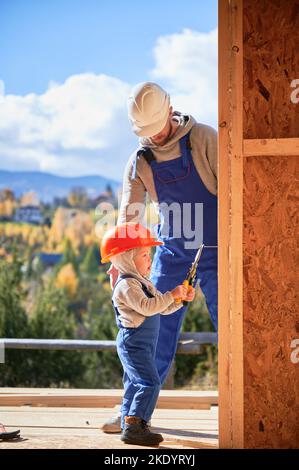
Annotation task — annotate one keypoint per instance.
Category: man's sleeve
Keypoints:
(133, 199)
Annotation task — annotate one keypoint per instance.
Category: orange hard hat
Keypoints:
(125, 237)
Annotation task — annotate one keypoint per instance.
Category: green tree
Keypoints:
(13, 321)
(103, 369)
(51, 319)
(199, 371)
(69, 256)
(91, 261)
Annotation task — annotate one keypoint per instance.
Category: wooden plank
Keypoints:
(51, 438)
(209, 416)
(104, 398)
(230, 343)
(209, 396)
(90, 402)
(236, 223)
(91, 420)
(224, 349)
(48, 429)
(270, 147)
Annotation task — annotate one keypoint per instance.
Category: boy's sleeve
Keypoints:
(172, 308)
(134, 297)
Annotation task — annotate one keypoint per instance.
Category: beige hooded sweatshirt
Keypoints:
(132, 303)
(203, 141)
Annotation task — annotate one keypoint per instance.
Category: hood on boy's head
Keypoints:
(124, 262)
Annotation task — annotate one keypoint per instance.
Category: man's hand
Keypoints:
(113, 273)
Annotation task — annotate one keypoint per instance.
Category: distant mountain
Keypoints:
(48, 186)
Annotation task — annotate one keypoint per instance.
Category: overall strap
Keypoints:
(131, 276)
(144, 152)
(185, 147)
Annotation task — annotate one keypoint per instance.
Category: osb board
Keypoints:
(271, 63)
(271, 310)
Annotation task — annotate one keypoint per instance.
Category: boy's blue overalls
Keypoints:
(136, 348)
(177, 181)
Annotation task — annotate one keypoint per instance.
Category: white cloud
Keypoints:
(186, 64)
(74, 128)
(80, 127)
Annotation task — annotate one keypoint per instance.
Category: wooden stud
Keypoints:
(271, 147)
(230, 357)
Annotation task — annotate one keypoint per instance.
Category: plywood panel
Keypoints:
(271, 318)
(271, 63)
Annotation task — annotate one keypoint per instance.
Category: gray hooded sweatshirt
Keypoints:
(132, 303)
(203, 141)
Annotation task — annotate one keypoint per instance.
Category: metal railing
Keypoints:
(189, 343)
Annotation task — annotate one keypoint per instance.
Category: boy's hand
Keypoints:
(180, 292)
(190, 294)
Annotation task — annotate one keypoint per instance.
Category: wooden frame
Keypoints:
(230, 335)
(257, 220)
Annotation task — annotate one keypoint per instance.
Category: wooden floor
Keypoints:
(69, 427)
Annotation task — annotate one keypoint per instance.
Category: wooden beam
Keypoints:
(230, 345)
(270, 147)
(224, 347)
(105, 398)
(236, 224)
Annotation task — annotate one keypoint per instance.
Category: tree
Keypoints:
(52, 319)
(78, 197)
(200, 370)
(103, 368)
(67, 279)
(69, 256)
(91, 261)
(13, 321)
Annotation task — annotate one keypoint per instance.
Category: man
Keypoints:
(176, 165)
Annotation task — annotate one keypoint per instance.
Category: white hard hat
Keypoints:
(148, 109)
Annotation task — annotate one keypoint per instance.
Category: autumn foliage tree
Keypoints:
(67, 279)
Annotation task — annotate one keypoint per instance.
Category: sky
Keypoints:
(67, 67)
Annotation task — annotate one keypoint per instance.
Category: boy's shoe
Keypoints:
(113, 425)
(137, 432)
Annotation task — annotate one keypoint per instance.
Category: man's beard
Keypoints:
(165, 139)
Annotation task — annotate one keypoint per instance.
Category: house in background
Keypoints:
(29, 211)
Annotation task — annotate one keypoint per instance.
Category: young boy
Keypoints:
(137, 305)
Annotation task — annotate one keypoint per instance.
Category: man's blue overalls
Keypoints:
(177, 181)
